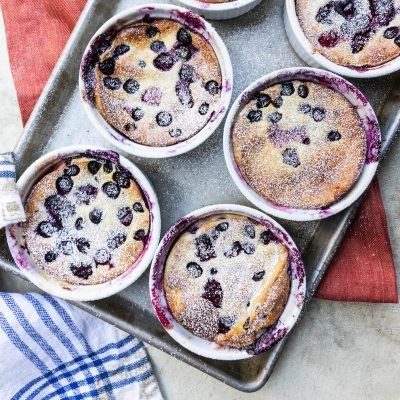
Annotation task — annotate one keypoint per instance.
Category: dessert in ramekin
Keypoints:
(359, 39)
(92, 223)
(156, 80)
(302, 143)
(227, 282)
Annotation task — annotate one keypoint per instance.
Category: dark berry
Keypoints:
(213, 271)
(137, 114)
(59, 207)
(66, 247)
(79, 224)
(107, 66)
(203, 109)
(95, 216)
(184, 36)
(277, 102)
(175, 132)
(64, 184)
(194, 269)
(222, 227)
(112, 83)
(397, 41)
(205, 247)
(234, 251)
(183, 52)
(213, 292)
(122, 178)
(358, 42)
(291, 157)
(391, 33)
(248, 248)
(46, 229)
(254, 115)
(263, 100)
(81, 270)
(306, 140)
(158, 46)
(333, 136)
(111, 189)
(131, 86)
(108, 167)
(287, 89)
(164, 118)
(137, 207)
(258, 276)
(250, 231)
(152, 31)
(85, 194)
(164, 62)
(140, 235)
(186, 73)
(266, 237)
(102, 256)
(345, 8)
(274, 117)
(128, 127)
(72, 170)
(142, 64)
(184, 93)
(305, 108)
(125, 215)
(225, 324)
(302, 91)
(246, 324)
(116, 241)
(82, 244)
(318, 114)
(212, 87)
(50, 256)
(323, 13)
(121, 49)
(329, 39)
(93, 167)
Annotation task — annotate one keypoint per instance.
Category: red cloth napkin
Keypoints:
(37, 31)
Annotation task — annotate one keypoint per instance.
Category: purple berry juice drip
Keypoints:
(281, 137)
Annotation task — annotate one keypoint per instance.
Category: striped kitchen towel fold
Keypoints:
(48, 354)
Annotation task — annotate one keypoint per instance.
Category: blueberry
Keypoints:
(213, 292)
(291, 157)
(333, 136)
(329, 39)
(358, 42)
(59, 207)
(95, 216)
(263, 100)
(102, 256)
(64, 184)
(254, 115)
(266, 237)
(111, 189)
(72, 170)
(164, 62)
(250, 231)
(248, 248)
(79, 224)
(212, 87)
(318, 114)
(203, 109)
(107, 66)
(194, 269)
(116, 241)
(46, 229)
(175, 132)
(246, 324)
(85, 194)
(82, 244)
(121, 49)
(128, 127)
(225, 324)
(125, 215)
(131, 86)
(222, 227)
(158, 46)
(305, 108)
(302, 91)
(137, 114)
(258, 276)
(287, 89)
(274, 117)
(184, 36)
(152, 31)
(345, 8)
(184, 93)
(397, 41)
(122, 178)
(324, 12)
(186, 73)
(137, 207)
(205, 247)
(140, 235)
(66, 247)
(108, 167)
(234, 251)
(306, 140)
(112, 83)
(142, 64)
(277, 102)
(93, 167)
(183, 52)
(50, 256)
(81, 270)
(213, 271)
(164, 118)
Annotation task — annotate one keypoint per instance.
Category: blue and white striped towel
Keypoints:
(51, 350)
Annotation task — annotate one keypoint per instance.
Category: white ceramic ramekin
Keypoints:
(105, 34)
(368, 120)
(17, 244)
(210, 349)
(227, 10)
(307, 53)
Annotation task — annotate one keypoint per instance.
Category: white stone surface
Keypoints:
(339, 350)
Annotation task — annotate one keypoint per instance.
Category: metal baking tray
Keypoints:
(257, 44)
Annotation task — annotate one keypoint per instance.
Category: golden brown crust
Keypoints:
(298, 162)
(159, 90)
